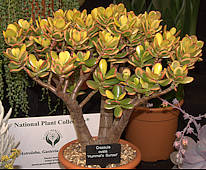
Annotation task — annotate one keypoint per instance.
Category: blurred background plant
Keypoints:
(190, 143)
(181, 14)
(8, 146)
(14, 87)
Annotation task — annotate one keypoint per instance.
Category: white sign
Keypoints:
(41, 138)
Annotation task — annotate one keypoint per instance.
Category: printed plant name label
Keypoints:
(103, 154)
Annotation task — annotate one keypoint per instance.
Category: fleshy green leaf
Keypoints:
(187, 80)
(125, 101)
(111, 73)
(109, 106)
(118, 112)
(109, 94)
(117, 91)
(91, 62)
(111, 82)
(92, 84)
(103, 66)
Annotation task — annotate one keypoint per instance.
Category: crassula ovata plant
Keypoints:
(128, 59)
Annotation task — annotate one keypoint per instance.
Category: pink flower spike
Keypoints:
(165, 103)
(178, 134)
(176, 144)
(182, 151)
(185, 142)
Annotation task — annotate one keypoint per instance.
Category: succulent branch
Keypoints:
(128, 59)
(45, 85)
(89, 96)
(156, 95)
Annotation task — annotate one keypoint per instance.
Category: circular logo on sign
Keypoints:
(52, 137)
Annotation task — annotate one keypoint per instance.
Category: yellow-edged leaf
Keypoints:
(159, 38)
(76, 35)
(12, 27)
(86, 57)
(103, 66)
(33, 61)
(15, 52)
(54, 55)
(109, 94)
(157, 68)
(139, 50)
(64, 56)
(122, 96)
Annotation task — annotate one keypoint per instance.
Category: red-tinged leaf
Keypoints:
(14, 68)
(92, 84)
(109, 106)
(117, 91)
(44, 74)
(85, 69)
(31, 74)
(125, 101)
(165, 82)
(111, 82)
(90, 62)
(130, 91)
(132, 84)
(102, 91)
(99, 76)
(43, 65)
(68, 75)
(11, 57)
(187, 80)
(121, 55)
(111, 73)
(119, 76)
(139, 72)
(118, 112)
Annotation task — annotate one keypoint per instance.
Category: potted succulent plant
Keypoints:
(118, 54)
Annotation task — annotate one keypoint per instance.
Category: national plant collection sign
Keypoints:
(41, 138)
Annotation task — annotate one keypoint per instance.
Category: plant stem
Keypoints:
(88, 98)
(106, 120)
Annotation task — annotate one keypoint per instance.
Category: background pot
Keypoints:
(153, 130)
(130, 165)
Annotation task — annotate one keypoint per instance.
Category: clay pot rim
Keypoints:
(163, 109)
(130, 165)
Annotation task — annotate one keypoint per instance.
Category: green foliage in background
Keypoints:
(182, 14)
(13, 87)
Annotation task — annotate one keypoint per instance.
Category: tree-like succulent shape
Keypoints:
(128, 59)
(8, 152)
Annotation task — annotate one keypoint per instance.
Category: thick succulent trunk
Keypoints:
(118, 127)
(106, 120)
(82, 131)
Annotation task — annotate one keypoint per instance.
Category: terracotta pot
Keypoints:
(69, 165)
(153, 130)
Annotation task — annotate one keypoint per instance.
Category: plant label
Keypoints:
(103, 154)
